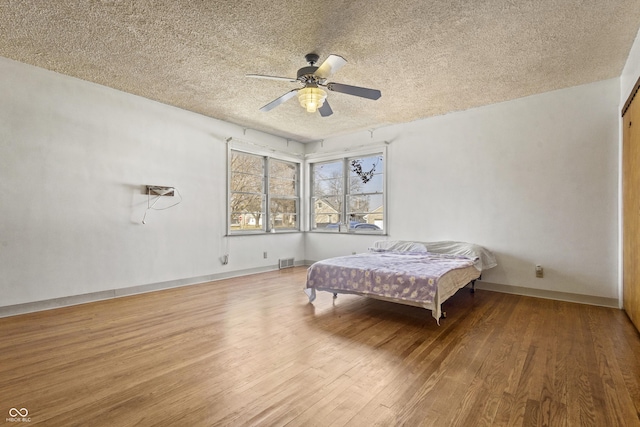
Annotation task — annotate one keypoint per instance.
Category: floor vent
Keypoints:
(285, 263)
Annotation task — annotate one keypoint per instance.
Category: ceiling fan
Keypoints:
(311, 96)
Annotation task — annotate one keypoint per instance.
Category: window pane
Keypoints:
(366, 212)
(283, 178)
(366, 175)
(248, 163)
(364, 203)
(328, 179)
(247, 173)
(283, 213)
(284, 170)
(247, 183)
(247, 202)
(286, 221)
(282, 187)
(247, 211)
(327, 212)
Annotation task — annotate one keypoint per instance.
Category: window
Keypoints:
(283, 195)
(263, 193)
(347, 194)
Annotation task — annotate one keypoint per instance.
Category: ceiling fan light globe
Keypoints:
(311, 98)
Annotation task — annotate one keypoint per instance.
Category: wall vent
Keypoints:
(285, 263)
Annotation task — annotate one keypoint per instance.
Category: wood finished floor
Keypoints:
(253, 351)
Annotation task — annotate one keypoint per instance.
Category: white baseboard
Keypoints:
(50, 304)
(30, 307)
(554, 295)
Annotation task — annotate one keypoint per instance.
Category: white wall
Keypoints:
(74, 158)
(534, 179)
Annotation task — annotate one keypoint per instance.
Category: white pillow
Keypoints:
(486, 259)
(397, 245)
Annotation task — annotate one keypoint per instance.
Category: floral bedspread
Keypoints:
(411, 276)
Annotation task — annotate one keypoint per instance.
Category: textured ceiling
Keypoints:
(427, 57)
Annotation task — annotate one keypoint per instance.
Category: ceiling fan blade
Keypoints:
(261, 76)
(325, 110)
(330, 65)
(273, 104)
(362, 92)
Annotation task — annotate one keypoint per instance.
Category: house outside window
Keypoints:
(347, 194)
(264, 194)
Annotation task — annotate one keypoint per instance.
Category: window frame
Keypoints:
(345, 158)
(267, 196)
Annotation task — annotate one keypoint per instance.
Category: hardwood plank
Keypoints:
(511, 410)
(608, 368)
(253, 351)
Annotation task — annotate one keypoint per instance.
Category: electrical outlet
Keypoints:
(264, 255)
(539, 271)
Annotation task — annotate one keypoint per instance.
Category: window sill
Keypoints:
(349, 233)
(262, 233)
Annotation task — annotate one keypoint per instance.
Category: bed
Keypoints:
(422, 274)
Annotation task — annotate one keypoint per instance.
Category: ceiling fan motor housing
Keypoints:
(306, 74)
(306, 71)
